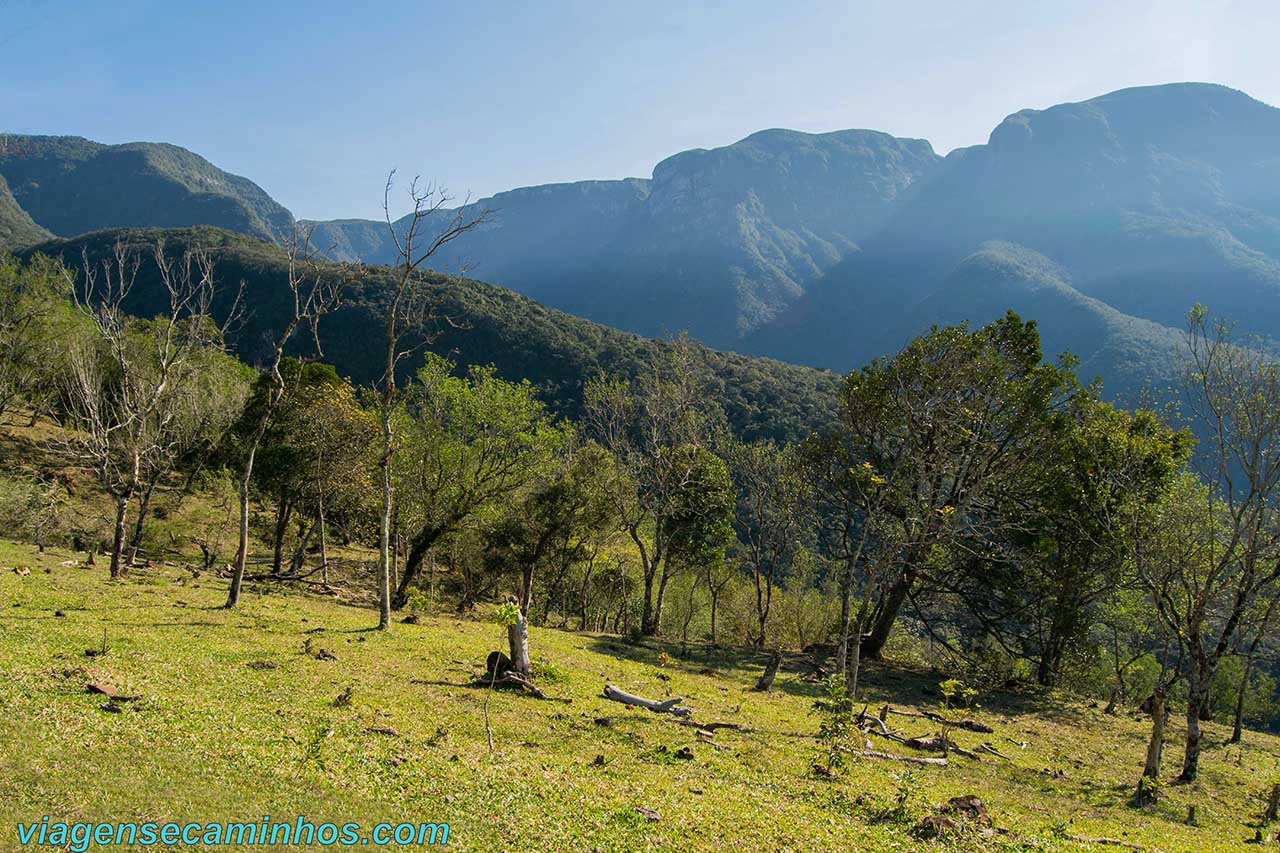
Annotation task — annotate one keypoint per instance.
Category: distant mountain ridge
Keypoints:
(718, 241)
(1144, 201)
(1104, 220)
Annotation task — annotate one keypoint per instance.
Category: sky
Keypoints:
(317, 101)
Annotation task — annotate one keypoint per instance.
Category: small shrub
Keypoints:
(838, 728)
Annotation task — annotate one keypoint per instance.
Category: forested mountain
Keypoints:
(69, 185)
(1144, 202)
(480, 324)
(1103, 220)
(718, 241)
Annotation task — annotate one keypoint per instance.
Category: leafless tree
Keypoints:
(316, 291)
(412, 309)
(124, 383)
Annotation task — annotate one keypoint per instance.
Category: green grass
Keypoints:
(214, 738)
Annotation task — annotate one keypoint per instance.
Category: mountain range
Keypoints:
(1104, 220)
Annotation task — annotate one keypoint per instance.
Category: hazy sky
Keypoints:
(316, 101)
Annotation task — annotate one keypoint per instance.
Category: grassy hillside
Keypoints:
(233, 720)
(485, 325)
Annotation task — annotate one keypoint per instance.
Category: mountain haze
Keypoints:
(1144, 201)
(717, 241)
(1103, 220)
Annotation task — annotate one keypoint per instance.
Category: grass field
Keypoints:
(235, 720)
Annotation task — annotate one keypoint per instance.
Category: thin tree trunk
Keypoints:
(1237, 728)
(242, 550)
(144, 504)
(846, 590)
(283, 511)
(384, 522)
(117, 541)
(324, 548)
(1149, 783)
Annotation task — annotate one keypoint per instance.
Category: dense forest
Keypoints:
(965, 502)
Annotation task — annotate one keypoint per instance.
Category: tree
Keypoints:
(772, 496)
(1066, 547)
(315, 291)
(676, 497)
(557, 522)
(1230, 527)
(469, 442)
(126, 385)
(31, 297)
(947, 424)
(409, 310)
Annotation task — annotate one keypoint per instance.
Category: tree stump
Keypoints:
(518, 636)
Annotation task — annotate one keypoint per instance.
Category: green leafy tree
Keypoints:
(946, 425)
(675, 498)
(469, 443)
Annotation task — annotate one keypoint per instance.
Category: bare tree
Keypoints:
(316, 291)
(412, 307)
(123, 383)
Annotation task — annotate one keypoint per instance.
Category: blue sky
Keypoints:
(317, 101)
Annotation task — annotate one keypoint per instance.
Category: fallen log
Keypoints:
(871, 753)
(967, 724)
(1115, 842)
(666, 706)
(514, 681)
(711, 727)
(937, 743)
(991, 750)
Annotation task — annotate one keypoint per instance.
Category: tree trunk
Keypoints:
(242, 550)
(661, 597)
(873, 644)
(384, 521)
(518, 639)
(846, 590)
(144, 504)
(324, 545)
(1237, 728)
(117, 541)
(283, 511)
(715, 607)
(648, 627)
(300, 553)
(1148, 784)
(1197, 694)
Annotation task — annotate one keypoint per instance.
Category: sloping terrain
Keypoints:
(17, 231)
(481, 324)
(236, 714)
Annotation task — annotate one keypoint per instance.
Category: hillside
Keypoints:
(232, 719)
(1148, 200)
(16, 228)
(70, 185)
(486, 325)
